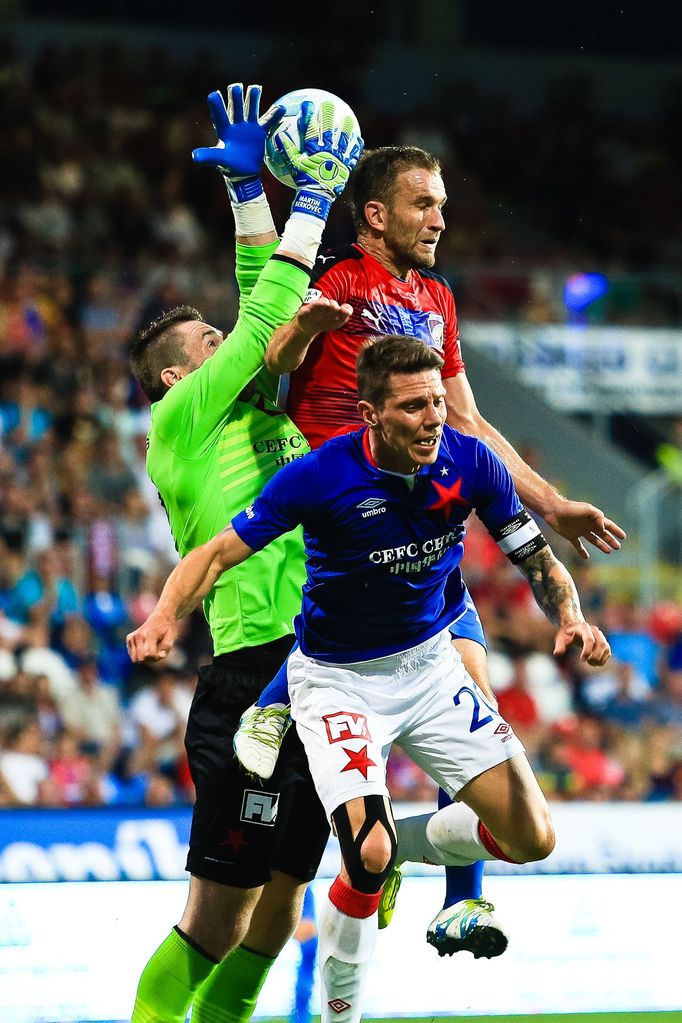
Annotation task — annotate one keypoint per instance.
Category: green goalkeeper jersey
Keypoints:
(210, 453)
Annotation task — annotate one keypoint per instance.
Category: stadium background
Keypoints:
(560, 142)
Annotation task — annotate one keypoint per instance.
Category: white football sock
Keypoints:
(448, 837)
(346, 944)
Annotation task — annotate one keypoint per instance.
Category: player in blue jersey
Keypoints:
(383, 514)
(397, 199)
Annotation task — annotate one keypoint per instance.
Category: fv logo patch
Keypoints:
(259, 807)
(344, 725)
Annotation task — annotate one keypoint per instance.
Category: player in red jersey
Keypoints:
(322, 396)
(397, 197)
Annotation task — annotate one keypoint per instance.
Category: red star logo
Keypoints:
(358, 761)
(447, 496)
(235, 839)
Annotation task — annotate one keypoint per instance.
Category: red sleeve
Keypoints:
(452, 352)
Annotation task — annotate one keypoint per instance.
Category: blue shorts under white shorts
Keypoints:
(468, 624)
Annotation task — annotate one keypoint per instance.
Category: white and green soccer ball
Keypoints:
(289, 126)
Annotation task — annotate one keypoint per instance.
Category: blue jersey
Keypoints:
(383, 550)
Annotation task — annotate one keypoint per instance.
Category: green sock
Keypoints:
(229, 995)
(169, 981)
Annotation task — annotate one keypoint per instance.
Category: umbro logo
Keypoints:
(372, 506)
(338, 1005)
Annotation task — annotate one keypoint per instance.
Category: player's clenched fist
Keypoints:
(153, 639)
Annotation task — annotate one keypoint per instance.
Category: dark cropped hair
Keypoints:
(381, 357)
(159, 345)
(376, 173)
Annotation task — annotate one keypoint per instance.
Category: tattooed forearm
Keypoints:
(553, 587)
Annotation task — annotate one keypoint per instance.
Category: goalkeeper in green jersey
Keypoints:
(216, 437)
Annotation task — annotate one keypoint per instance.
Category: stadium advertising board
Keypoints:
(147, 845)
(590, 369)
(93, 845)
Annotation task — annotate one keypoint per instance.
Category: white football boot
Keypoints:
(258, 739)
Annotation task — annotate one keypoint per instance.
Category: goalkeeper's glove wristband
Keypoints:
(250, 206)
(303, 230)
(242, 189)
(312, 203)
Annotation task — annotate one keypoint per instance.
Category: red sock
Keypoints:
(491, 845)
(352, 902)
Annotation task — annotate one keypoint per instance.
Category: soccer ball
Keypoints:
(288, 125)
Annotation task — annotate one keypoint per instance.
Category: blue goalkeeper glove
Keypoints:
(241, 139)
(320, 162)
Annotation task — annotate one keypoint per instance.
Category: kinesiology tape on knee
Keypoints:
(361, 879)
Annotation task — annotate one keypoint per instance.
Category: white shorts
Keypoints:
(349, 715)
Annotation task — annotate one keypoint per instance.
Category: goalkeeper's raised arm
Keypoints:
(239, 157)
(273, 276)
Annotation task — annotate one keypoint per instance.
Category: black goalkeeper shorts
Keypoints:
(243, 829)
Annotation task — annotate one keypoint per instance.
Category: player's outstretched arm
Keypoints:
(576, 521)
(187, 585)
(555, 592)
(319, 163)
(288, 345)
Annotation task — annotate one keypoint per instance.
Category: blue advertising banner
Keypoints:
(105, 844)
(93, 845)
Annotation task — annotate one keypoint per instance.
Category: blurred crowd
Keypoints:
(104, 222)
(97, 187)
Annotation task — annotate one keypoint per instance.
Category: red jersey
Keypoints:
(323, 396)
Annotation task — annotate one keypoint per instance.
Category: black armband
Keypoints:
(519, 538)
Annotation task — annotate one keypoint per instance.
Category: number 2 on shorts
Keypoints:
(476, 720)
